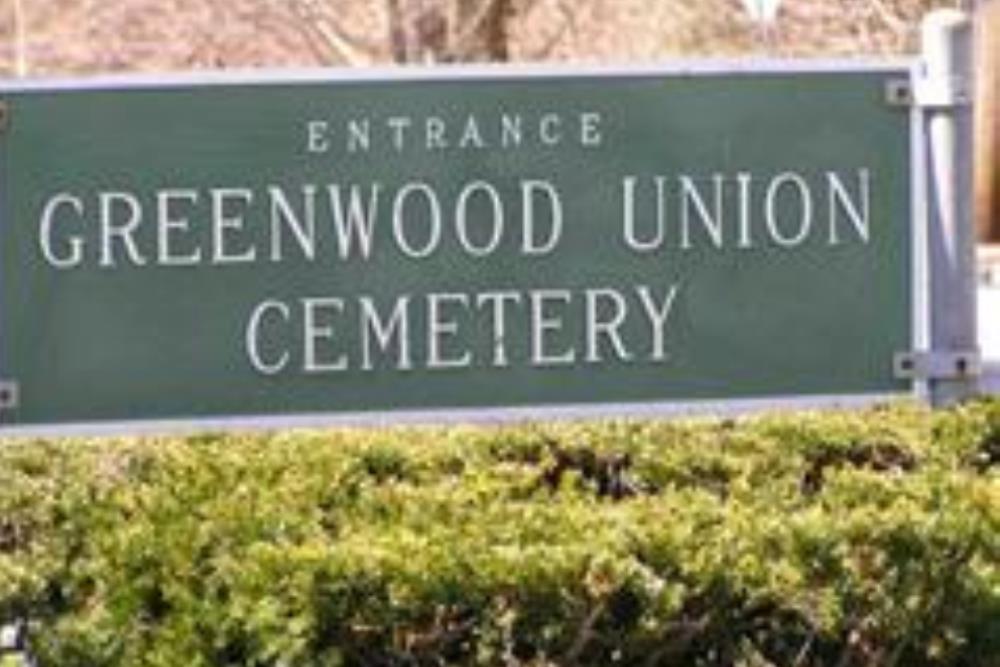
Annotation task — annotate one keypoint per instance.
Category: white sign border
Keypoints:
(495, 415)
(493, 72)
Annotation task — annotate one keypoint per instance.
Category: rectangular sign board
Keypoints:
(469, 241)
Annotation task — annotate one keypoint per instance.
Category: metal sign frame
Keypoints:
(907, 69)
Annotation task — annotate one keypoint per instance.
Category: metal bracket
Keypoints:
(928, 93)
(942, 93)
(10, 395)
(937, 365)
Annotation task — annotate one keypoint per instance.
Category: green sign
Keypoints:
(329, 246)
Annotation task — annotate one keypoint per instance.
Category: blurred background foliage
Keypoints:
(51, 37)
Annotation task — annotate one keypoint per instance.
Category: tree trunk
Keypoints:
(399, 39)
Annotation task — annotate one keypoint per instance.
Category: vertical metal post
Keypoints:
(945, 93)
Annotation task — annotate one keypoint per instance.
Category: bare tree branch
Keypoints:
(436, 30)
(333, 36)
(454, 18)
(325, 12)
(891, 20)
(568, 24)
(349, 47)
(319, 47)
(325, 35)
(471, 26)
(585, 633)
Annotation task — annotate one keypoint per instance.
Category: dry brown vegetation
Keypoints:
(87, 36)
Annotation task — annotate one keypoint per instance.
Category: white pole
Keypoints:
(945, 91)
(20, 41)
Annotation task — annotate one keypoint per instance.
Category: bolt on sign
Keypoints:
(470, 242)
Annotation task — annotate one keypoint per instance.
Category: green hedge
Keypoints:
(842, 539)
